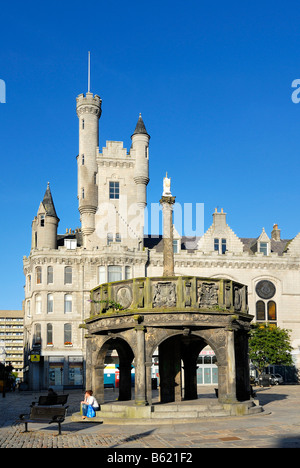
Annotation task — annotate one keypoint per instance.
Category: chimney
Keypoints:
(275, 234)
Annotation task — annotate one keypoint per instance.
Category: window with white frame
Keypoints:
(38, 273)
(68, 303)
(37, 336)
(70, 244)
(49, 275)
(220, 246)
(28, 308)
(38, 304)
(175, 246)
(49, 334)
(67, 333)
(263, 248)
(68, 275)
(114, 273)
(49, 303)
(102, 274)
(128, 272)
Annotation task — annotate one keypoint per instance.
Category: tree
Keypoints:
(269, 345)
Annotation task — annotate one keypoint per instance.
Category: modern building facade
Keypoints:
(110, 245)
(12, 339)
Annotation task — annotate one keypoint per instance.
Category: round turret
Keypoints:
(88, 109)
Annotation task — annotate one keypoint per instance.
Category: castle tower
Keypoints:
(44, 225)
(140, 148)
(88, 109)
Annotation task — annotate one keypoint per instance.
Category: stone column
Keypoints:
(140, 367)
(167, 203)
(170, 370)
(231, 367)
(98, 382)
(125, 382)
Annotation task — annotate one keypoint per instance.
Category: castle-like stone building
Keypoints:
(110, 245)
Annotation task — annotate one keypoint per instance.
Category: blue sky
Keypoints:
(211, 79)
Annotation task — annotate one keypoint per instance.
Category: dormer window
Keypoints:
(264, 243)
(42, 220)
(175, 246)
(263, 248)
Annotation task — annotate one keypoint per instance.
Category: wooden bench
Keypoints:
(51, 400)
(109, 385)
(42, 414)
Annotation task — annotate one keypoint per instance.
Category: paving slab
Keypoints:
(277, 427)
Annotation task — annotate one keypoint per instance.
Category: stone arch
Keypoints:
(177, 347)
(126, 356)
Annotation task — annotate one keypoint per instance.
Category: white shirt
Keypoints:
(91, 400)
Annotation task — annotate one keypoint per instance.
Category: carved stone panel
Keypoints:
(207, 294)
(164, 294)
(124, 296)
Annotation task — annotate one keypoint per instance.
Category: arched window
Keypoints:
(38, 272)
(260, 311)
(38, 304)
(49, 303)
(37, 337)
(49, 334)
(67, 333)
(28, 308)
(68, 303)
(272, 315)
(49, 275)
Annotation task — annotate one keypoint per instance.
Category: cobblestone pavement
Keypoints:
(277, 427)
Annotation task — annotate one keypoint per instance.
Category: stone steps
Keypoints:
(154, 414)
(115, 413)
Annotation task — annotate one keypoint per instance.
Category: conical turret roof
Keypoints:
(48, 203)
(140, 127)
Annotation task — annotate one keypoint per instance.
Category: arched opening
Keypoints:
(179, 375)
(115, 362)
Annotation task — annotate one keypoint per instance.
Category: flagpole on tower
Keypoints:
(89, 72)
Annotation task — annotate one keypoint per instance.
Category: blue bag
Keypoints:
(90, 412)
